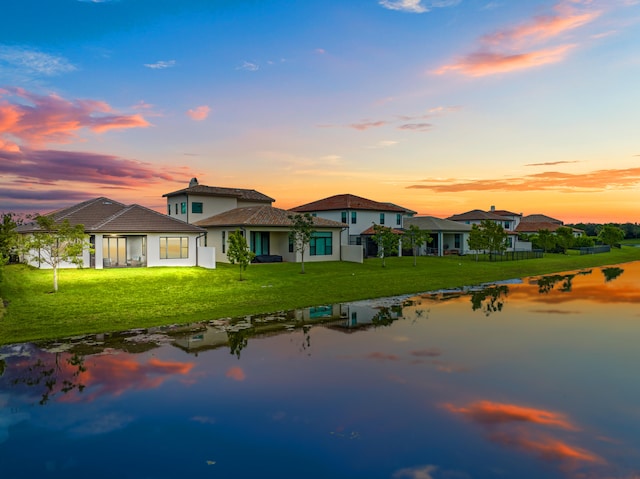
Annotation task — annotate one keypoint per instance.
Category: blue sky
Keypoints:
(440, 106)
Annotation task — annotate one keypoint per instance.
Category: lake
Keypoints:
(534, 378)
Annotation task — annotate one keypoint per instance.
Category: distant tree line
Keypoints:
(563, 239)
(631, 230)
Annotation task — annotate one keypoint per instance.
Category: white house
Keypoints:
(508, 220)
(448, 237)
(124, 236)
(359, 214)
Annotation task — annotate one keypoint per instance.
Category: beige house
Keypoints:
(199, 202)
(267, 232)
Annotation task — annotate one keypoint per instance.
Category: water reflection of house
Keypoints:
(360, 316)
(225, 333)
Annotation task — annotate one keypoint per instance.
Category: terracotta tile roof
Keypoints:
(239, 193)
(371, 231)
(539, 219)
(505, 213)
(431, 223)
(348, 202)
(535, 226)
(263, 215)
(475, 215)
(103, 215)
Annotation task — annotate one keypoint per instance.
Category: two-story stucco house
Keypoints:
(359, 214)
(221, 211)
(199, 202)
(508, 220)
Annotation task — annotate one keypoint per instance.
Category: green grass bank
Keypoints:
(93, 301)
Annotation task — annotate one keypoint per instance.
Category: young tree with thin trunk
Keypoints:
(476, 241)
(300, 234)
(57, 243)
(238, 251)
(386, 240)
(415, 237)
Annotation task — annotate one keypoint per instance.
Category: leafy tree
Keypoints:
(584, 242)
(476, 241)
(57, 243)
(611, 235)
(416, 237)
(564, 238)
(8, 236)
(546, 240)
(386, 240)
(239, 252)
(300, 234)
(488, 236)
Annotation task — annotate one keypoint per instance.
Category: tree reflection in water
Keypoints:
(548, 283)
(56, 377)
(611, 273)
(490, 299)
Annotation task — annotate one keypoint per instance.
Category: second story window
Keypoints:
(169, 210)
(183, 208)
(381, 218)
(196, 207)
(399, 219)
(343, 216)
(354, 217)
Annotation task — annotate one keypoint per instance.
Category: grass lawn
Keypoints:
(92, 301)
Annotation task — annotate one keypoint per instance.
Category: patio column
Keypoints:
(440, 242)
(98, 253)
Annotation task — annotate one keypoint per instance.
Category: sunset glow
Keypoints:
(441, 107)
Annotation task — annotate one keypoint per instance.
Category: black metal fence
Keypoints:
(605, 248)
(511, 255)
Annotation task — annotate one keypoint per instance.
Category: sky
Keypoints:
(440, 106)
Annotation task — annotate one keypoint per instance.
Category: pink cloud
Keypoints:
(525, 45)
(542, 27)
(365, 125)
(489, 63)
(199, 113)
(38, 119)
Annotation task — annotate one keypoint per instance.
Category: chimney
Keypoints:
(493, 208)
(193, 182)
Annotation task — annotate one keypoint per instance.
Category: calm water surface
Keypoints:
(531, 379)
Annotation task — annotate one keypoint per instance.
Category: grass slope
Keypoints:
(92, 301)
